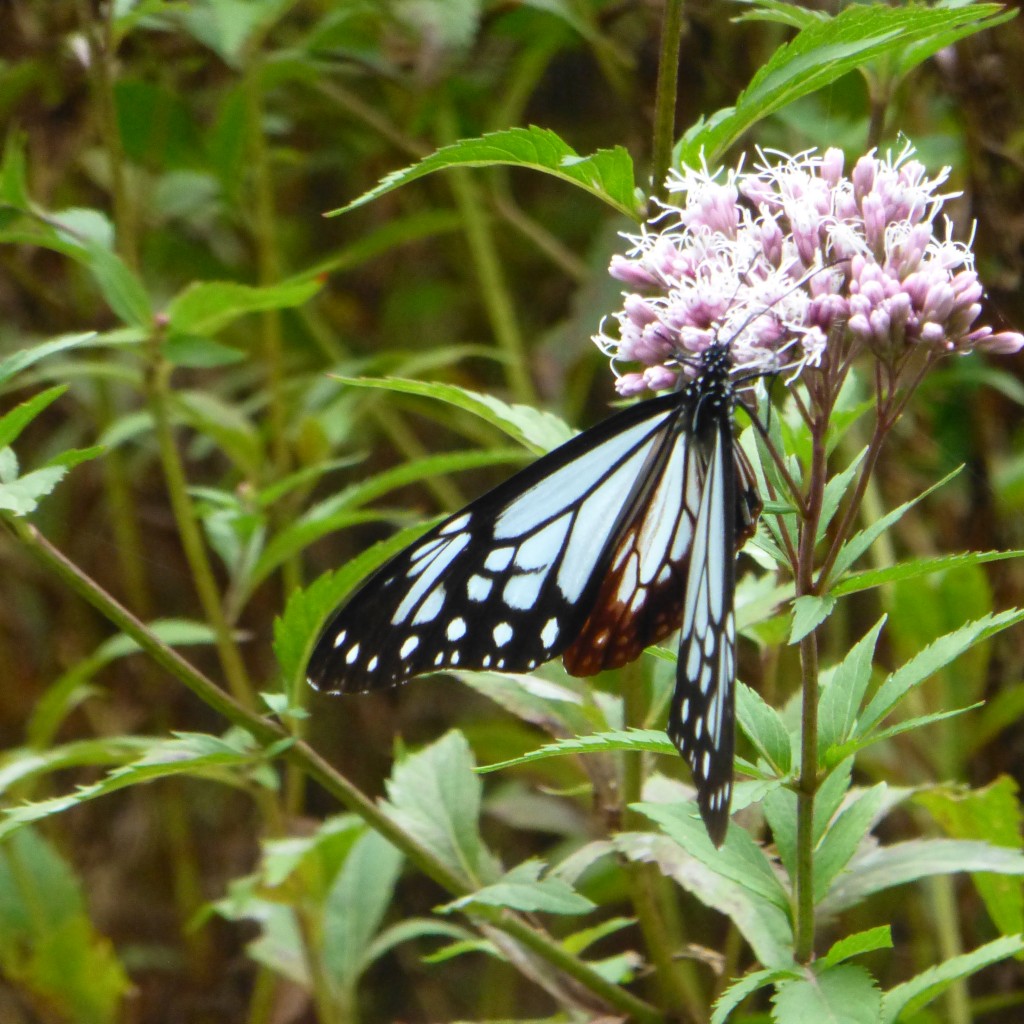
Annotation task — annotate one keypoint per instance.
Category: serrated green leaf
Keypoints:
(906, 60)
(840, 700)
(904, 1000)
(206, 307)
(779, 808)
(889, 866)
(554, 707)
(651, 740)
(537, 430)
(846, 994)
(858, 944)
(917, 568)
(523, 889)
(763, 924)
(831, 793)
(233, 759)
(435, 796)
(21, 764)
(819, 55)
(764, 728)
(739, 858)
(14, 422)
(835, 491)
(809, 612)
(731, 998)
(854, 746)
(844, 836)
(13, 364)
(21, 496)
(860, 542)
(935, 656)
(781, 12)
(607, 174)
(415, 928)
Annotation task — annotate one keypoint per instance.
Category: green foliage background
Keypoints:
(181, 332)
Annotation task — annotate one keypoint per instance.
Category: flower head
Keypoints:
(790, 258)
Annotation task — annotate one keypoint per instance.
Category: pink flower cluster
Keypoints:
(791, 258)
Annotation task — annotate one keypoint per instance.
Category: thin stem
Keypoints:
(808, 785)
(191, 537)
(309, 761)
(124, 520)
(808, 782)
(665, 97)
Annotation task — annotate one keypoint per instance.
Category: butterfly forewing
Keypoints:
(641, 595)
(507, 582)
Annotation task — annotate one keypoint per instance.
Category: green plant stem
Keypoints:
(665, 97)
(315, 767)
(807, 786)
(124, 519)
(261, 1002)
(501, 312)
(947, 925)
(191, 538)
(100, 40)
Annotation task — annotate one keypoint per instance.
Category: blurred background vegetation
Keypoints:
(210, 138)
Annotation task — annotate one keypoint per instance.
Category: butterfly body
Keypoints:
(602, 547)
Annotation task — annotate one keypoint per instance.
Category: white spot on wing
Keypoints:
(353, 653)
(498, 559)
(428, 611)
(549, 634)
(543, 547)
(521, 592)
(340, 638)
(458, 523)
(456, 629)
(410, 645)
(432, 571)
(502, 634)
(478, 587)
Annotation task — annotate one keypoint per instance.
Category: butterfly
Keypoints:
(602, 547)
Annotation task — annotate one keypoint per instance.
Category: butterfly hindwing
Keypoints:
(507, 582)
(702, 711)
